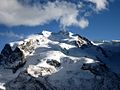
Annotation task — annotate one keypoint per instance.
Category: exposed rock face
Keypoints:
(97, 68)
(37, 71)
(17, 55)
(104, 80)
(12, 59)
(83, 42)
(24, 81)
(7, 51)
(5, 54)
(17, 60)
(57, 64)
(28, 46)
(108, 80)
(54, 63)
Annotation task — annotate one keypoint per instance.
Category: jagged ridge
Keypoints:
(62, 60)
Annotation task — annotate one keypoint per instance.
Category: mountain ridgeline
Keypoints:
(60, 61)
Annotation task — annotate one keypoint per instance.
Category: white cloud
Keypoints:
(83, 23)
(11, 34)
(13, 13)
(100, 4)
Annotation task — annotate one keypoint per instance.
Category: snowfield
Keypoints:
(60, 61)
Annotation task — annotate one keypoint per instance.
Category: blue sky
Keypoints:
(102, 24)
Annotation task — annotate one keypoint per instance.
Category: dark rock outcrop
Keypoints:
(96, 68)
(107, 80)
(83, 42)
(17, 55)
(24, 81)
(1, 56)
(54, 63)
(12, 59)
(17, 59)
(5, 54)
(7, 51)
(19, 65)
(85, 39)
(27, 46)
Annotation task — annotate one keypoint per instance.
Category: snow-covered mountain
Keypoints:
(60, 61)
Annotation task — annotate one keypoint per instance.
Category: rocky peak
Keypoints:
(82, 41)
(6, 51)
(17, 55)
(17, 49)
(12, 59)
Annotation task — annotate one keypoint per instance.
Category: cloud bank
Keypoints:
(39, 12)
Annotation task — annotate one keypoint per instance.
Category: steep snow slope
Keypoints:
(59, 61)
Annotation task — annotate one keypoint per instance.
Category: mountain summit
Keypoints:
(60, 61)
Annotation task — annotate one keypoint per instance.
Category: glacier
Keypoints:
(60, 61)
